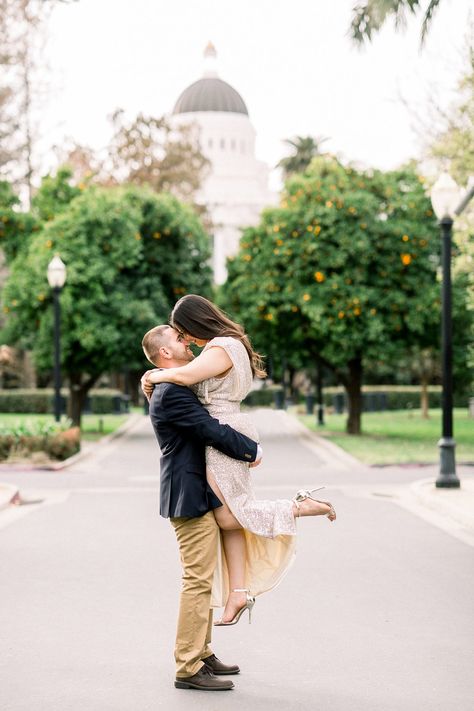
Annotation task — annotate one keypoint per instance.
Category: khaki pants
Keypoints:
(197, 541)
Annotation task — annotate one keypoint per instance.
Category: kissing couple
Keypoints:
(233, 546)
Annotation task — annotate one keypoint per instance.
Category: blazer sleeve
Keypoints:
(183, 410)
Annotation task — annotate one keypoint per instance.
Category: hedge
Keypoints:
(374, 397)
(40, 401)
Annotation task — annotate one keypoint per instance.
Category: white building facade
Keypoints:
(236, 189)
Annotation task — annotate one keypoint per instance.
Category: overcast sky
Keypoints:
(291, 60)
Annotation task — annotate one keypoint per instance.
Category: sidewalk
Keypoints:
(457, 504)
(453, 509)
(91, 580)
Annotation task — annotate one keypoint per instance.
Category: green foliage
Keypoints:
(305, 148)
(375, 397)
(175, 250)
(392, 397)
(40, 400)
(56, 441)
(396, 437)
(16, 227)
(129, 254)
(344, 271)
(95, 237)
(34, 427)
(347, 264)
(55, 194)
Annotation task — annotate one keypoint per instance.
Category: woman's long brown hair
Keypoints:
(196, 316)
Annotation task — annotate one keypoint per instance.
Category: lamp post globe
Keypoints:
(56, 279)
(445, 197)
(56, 272)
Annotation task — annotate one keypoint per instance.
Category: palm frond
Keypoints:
(431, 9)
(369, 16)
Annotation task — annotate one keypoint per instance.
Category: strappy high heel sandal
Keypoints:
(248, 606)
(304, 494)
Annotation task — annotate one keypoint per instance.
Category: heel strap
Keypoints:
(303, 494)
(241, 590)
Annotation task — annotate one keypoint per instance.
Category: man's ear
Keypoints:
(164, 353)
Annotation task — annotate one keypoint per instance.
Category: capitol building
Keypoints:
(236, 188)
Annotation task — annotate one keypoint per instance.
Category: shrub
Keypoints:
(374, 397)
(56, 441)
(264, 397)
(40, 401)
(64, 444)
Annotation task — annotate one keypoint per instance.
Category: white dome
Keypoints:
(236, 189)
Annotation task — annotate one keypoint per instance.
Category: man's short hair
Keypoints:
(153, 340)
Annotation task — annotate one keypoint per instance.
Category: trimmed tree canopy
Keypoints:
(346, 265)
(129, 254)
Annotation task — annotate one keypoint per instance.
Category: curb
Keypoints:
(9, 495)
(82, 454)
(456, 504)
(331, 452)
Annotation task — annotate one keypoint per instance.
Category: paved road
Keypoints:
(376, 613)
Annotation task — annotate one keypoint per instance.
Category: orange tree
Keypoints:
(345, 271)
(16, 227)
(130, 253)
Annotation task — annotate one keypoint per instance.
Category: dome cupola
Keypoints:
(210, 93)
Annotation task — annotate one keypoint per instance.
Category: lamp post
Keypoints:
(319, 395)
(445, 199)
(57, 279)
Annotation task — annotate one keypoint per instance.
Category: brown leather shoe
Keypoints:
(217, 667)
(203, 680)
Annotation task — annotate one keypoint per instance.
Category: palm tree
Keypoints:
(305, 148)
(369, 16)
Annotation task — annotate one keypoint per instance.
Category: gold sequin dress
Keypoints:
(269, 525)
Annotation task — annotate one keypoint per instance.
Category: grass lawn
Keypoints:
(93, 426)
(398, 436)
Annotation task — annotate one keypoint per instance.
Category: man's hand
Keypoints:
(258, 459)
(147, 387)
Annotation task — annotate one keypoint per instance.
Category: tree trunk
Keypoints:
(77, 397)
(294, 392)
(319, 393)
(354, 396)
(424, 400)
(136, 395)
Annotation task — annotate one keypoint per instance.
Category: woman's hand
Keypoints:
(147, 384)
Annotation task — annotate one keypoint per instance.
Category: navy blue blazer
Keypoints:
(183, 427)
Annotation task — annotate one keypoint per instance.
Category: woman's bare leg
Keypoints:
(312, 507)
(224, 517)
(309, 507)
(235, 550)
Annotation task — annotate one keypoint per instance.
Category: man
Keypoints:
(183, 427)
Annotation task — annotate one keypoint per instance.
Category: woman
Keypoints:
(258, 536)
